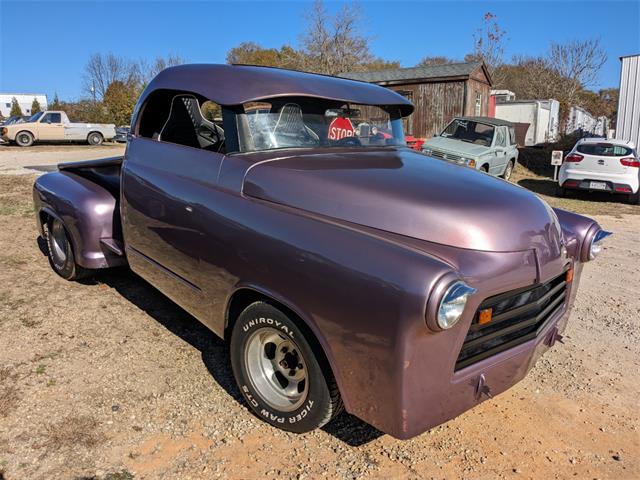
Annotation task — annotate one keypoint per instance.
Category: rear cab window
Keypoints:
(605, 150)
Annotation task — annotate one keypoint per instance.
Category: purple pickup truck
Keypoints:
(284, 211)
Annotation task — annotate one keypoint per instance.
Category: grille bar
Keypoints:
(519, 316)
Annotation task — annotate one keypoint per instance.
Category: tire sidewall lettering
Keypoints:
(260, 321)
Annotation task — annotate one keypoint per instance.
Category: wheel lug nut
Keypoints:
(292, 373)
(300, 366)
(284, 349)
(283, 363)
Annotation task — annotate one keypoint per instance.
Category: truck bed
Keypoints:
(104, 172)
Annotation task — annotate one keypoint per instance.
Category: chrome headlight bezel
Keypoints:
(595, 245)
(447, 303)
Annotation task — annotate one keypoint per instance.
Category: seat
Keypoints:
(291, 124)
(187, 126)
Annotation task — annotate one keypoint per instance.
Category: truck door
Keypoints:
(167, 171)
(51, 127)
(500, 149)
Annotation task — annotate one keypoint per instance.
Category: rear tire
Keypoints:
(60, 251)
(634, 198)
(283, 379)
(24, 139)
(95, 138)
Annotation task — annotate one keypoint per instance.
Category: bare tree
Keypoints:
(336, 44)
(437, 60)
(578, 61)
(145, 71)
(103, 69)
(488, 45)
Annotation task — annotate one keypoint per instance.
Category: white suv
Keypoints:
(596, 164)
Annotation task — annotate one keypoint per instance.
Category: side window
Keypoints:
(182, 119)
(52, 118)
(478, 104)
(500, 137)
(512, 136)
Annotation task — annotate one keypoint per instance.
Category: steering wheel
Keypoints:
(349, 141)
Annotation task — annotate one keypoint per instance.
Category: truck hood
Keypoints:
(408, 193)
(458, 147)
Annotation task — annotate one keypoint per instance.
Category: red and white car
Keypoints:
(596, 164)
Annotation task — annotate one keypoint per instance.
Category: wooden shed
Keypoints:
(439, 92)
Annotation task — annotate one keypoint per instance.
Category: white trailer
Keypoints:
(580, 121)
(541, 115)
(25, 100)
(628, 123)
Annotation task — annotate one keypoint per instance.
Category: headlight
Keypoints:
(453, 303)
(470, 162)
(596, 243)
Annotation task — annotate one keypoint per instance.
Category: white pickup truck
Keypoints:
(54, 126)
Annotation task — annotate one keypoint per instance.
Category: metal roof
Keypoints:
(238, 84)
(489, 121)
(415, 73)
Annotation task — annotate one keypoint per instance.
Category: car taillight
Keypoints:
(630, 162)
(573, 157)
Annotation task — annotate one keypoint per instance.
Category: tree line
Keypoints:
(332, 44)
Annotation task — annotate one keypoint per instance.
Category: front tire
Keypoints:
(60, 251)
(281, 376)
(24, 139)
(508, 170)
(95, 138)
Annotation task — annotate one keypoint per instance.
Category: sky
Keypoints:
(45, 45)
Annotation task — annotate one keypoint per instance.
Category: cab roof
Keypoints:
(238, 84)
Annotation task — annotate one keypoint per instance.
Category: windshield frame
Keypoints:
(35, 117)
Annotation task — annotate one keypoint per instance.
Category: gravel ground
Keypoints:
(16, 160)
(109, 380)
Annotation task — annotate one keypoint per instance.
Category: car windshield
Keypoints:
(314, 123)
(604, 149)
(35, 117)
(469, 131)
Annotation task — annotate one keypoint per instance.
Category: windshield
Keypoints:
(313, 123)
(469, 131)
(35, 117)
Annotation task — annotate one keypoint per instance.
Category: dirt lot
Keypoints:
(109, 380)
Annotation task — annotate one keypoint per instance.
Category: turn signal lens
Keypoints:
(569, 277)
(485, 316)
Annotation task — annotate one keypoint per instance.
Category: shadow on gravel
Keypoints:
(214, 350)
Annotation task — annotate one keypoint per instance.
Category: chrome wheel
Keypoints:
(58, 243)
(508, 171)
(276, 369)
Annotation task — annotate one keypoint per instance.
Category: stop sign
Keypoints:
(341, 127)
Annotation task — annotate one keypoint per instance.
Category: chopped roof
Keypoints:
(415, 73)
(238, 84)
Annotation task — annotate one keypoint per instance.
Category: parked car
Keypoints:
(14, 119)
(600, 165)
(54, 126)
(486, 144)
(343, 267)
(121, 134)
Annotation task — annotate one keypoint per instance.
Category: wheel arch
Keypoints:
(91, 132)
(25, 130)
(245, 295)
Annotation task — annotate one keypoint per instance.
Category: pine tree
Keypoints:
(15, 107)
(55, 105)
(35, 106)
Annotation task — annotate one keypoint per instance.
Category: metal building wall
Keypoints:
(628, 123)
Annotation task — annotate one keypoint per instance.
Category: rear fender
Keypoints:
(89, 212)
